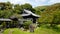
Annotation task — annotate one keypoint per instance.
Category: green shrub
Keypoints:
(26, 24)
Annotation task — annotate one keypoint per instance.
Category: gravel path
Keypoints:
(1, 32)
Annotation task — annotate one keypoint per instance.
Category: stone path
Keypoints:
(1, 32)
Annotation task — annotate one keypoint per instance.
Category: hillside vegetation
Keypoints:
(49, 14)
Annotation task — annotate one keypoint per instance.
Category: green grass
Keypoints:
(15, 31)
(37, 31)
(44, 29)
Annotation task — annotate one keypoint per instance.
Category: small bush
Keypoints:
(26, 24)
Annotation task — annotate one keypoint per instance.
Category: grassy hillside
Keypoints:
(49, 14)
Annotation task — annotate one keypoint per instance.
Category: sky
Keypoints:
(34, 3)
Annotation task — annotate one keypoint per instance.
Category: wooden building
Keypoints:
(29, 15)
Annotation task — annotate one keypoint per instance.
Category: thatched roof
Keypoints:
(1, 19)
(29, 13)
(14, 18)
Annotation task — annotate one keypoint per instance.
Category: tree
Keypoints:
(5, 13)
(5, 6)
(17, 9)
(28, 7)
